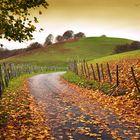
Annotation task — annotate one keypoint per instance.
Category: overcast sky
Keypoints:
(116, 18)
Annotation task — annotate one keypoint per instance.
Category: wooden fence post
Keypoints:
(11, 70)
(85, 68)
(88, 74)
(109, 73)
(102, 71)
(1, 83)
(117, 75)
(135, 80)
(75, 67)
(1, 88)
(1, 77)
(93, 72)
(6, 78)
(82, 69)
(98, 71)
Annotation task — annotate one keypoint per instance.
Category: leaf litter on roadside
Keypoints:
(21, 117)
(100, 107)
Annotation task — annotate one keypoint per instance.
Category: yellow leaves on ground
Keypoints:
(125, 108)
(21, 117)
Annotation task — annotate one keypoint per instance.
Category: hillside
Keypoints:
(117, 57)
(58, 54)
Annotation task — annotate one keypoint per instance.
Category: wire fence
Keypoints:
(126, 79)
(9, 71)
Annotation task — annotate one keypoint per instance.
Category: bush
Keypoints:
(135, 45)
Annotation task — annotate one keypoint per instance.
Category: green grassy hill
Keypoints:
(117, 57)
(58, 54)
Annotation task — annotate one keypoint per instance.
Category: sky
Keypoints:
(114, 18)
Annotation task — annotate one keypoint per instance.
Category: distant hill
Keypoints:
(60, 53)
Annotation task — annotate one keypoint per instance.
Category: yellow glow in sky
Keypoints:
(117, 18)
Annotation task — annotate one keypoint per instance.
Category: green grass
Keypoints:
(16, 83)
(90, 84)
(116, 57)
(59, 54)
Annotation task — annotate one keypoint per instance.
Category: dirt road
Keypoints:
(86, 121)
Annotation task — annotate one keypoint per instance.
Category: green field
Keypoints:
(59, 54)
(117, 57)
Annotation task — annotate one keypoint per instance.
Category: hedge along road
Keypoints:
(69, 121)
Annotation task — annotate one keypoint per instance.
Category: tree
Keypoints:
(14, 19)
(79, 35)
(68, 35)
(103, 36)
(59, 38)
(49, 40)
(33, 46)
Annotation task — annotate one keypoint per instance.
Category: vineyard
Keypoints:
(114, 78)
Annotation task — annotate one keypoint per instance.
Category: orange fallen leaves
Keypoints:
(21, 117)
(127, 109)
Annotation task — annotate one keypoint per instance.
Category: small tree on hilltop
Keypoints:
(79, 35)
(59, 38)
(49, 40)
(103, 36)
(68, 35)
(33, 46)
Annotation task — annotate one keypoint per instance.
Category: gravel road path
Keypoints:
(87, 121)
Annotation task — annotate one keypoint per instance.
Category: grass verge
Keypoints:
(90, 84)
(106, 88)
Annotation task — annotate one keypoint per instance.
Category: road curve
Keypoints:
(69, 122)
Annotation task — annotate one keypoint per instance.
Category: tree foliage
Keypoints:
(68, 35)
(49, 40)
(103, 36)
(33, 46)
(135, 45)
(79, 35)
(14, 19)
(59, 38)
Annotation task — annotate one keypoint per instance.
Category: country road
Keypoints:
(86, 121)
